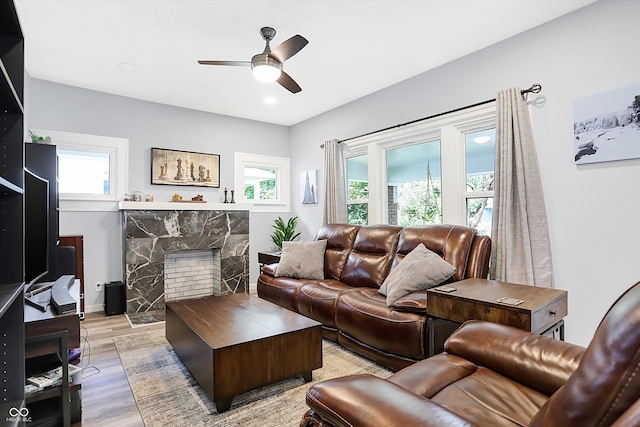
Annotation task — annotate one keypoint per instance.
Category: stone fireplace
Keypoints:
(151, 231)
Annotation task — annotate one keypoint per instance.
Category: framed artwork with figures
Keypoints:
(174, 167)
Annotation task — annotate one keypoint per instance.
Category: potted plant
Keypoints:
(284, 232)
(39, 139)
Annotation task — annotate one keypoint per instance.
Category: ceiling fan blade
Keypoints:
(289, 47)
(288, 83)
(232, 63)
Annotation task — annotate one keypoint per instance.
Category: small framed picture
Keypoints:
(174, 167)
(309, 186)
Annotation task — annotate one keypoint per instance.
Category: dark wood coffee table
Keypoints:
(234, 343)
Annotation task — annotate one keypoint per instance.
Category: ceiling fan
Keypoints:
(267, 66)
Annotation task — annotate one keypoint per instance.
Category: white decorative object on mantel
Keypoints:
(182, 206)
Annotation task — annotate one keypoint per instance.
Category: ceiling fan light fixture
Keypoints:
(265, 68)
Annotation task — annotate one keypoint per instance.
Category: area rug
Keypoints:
(167, 394)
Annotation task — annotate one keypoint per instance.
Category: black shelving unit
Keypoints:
(61, 409)
(11, 211)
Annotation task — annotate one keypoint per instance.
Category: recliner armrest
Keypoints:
(540, 362)
(366, 400)
(269, 269)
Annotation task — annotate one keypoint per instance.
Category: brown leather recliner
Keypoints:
(494, 375)
(356, 262)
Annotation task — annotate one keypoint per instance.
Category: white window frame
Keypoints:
(356, 153)
(283, 181)
(450, 129)
(118, 150)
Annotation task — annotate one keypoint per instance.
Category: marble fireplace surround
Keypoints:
(151, 229)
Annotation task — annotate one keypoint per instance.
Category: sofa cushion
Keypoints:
(370, 259)
(303, 260)
(317, 300)
(415, 302)
(420, 269)
(364, 316)
(339, 239)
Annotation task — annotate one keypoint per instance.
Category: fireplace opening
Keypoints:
(191, 274)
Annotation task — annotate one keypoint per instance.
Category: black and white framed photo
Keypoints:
(174, 167)
(606, 125)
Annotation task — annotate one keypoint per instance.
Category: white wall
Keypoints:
(592, 209)
(146, 124)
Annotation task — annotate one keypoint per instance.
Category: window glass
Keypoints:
(414, 186)
(83, 172)
(479, 211)
(260, 183)
(357, 190)
(479, 160)
(480, 148)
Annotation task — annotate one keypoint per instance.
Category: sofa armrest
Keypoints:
(366, 400)
(269, 269)
(415, 302)
(540, 362)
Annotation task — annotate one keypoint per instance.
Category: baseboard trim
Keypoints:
(253, 290)
(93, 308)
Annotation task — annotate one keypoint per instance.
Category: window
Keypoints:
(91, 168)
(479, 160)
(84, 172)
(357, 190)
(263, 181)
(413, 184)
(438, 170)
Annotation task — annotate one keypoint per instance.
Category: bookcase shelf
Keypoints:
(62, 390)
(11, 209)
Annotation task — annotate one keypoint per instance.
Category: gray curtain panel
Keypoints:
(520, 250)
(335, 196)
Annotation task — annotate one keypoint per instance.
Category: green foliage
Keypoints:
(358, 213)
(284, 232)
(267, 190)
(419, 203)
(39, 139)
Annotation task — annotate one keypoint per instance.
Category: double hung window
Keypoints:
(439, 170)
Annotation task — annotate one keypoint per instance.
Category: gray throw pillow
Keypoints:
(302, 260)
(420, 269)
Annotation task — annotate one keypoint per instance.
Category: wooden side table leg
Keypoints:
(307, 376)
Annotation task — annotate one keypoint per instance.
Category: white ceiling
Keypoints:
(356, 47)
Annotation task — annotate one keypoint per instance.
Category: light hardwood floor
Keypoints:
(106, 396)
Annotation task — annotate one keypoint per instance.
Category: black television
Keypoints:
(36, 228)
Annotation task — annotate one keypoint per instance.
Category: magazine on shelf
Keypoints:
(49, 378)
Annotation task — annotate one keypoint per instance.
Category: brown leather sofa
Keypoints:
(494, 375)
(347, 302)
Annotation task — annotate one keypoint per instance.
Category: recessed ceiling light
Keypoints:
(127, 66)
(481, 139)
(270, 100)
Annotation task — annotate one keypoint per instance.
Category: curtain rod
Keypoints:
(535, 88)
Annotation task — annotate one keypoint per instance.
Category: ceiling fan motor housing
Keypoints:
(266, 68)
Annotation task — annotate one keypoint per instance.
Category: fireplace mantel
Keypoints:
(182, 206)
